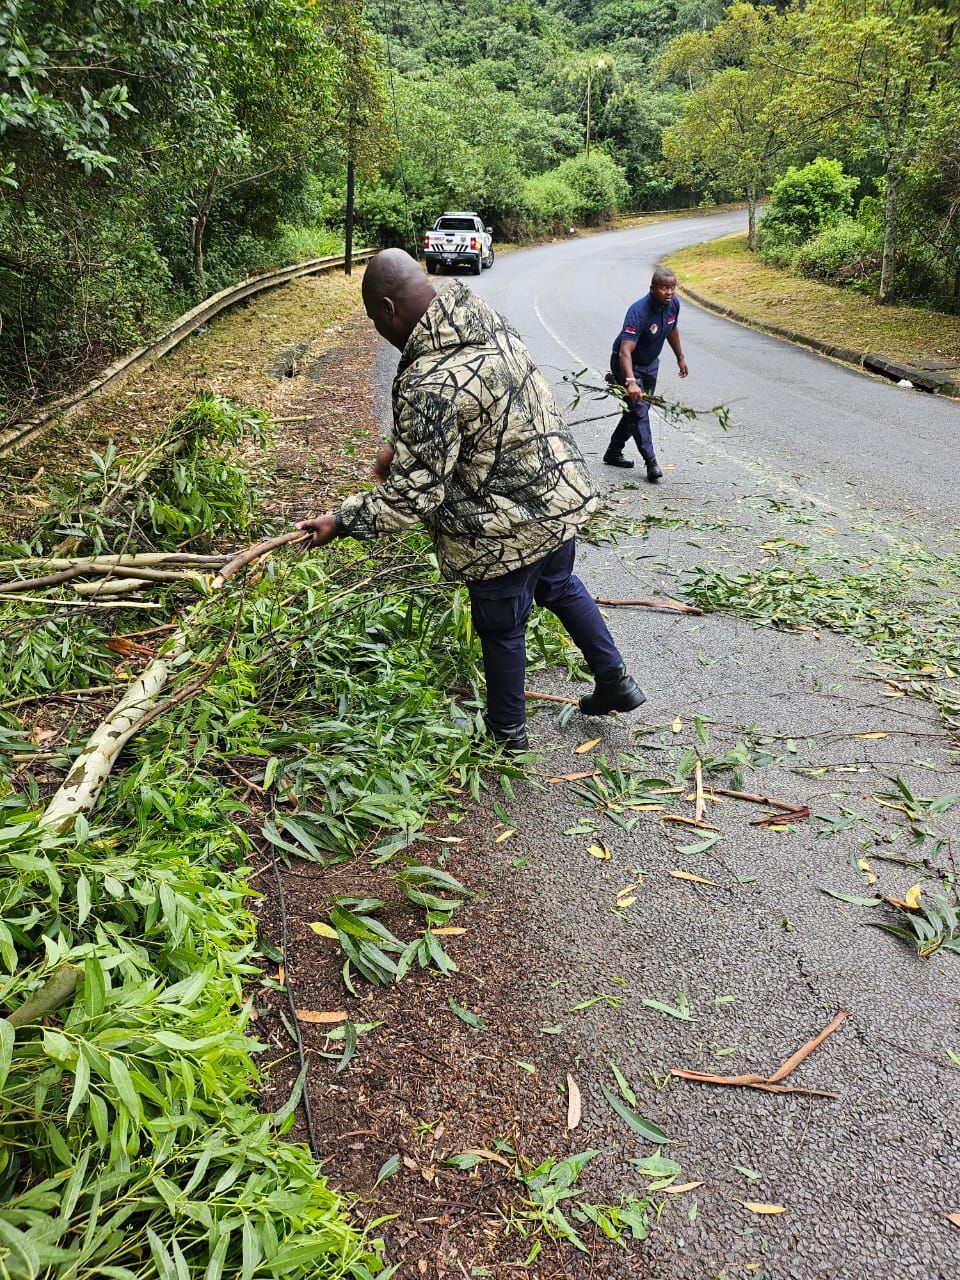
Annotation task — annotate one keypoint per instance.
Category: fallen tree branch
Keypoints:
(786, 805)
(672, 606)
(771, 1083)
(139, 706)
(61, 983)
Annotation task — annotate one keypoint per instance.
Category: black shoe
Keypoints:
(513, 738)
(617, 460)
(653, 471)
(614, 691)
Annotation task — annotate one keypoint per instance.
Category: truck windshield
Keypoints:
(456, 224)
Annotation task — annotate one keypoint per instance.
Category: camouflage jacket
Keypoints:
(483, 456)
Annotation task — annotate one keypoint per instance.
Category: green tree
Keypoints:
(730, 134)
(874, 65)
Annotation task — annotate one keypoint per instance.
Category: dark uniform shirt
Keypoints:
(648, 323)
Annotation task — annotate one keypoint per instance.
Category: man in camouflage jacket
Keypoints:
(483, 458)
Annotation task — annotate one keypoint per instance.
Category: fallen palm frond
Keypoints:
(771, 1083)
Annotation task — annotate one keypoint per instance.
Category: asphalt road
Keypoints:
(762, 956)
(834, 429)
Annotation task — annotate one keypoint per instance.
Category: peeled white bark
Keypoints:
(82, 786)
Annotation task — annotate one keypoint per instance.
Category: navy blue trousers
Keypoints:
(500, 608)
(635, 421)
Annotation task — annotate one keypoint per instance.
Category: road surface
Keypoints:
(851, 473)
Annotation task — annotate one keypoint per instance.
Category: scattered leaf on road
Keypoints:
(599, 851)
(574, 1107)
(677, 725)
(912, 897)
(849, 897)
(754, 1207)
(556, 1030)
(585, 746)
(313, 1015)
(574, 777)
(639, 1124)
(505, 835)
(625, 1089)
(682, 1187)
(448, 931)
(752, 1174)
(877, 734)
(688, 875)
(954, 1218)
(628, 901)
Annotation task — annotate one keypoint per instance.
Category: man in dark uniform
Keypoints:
(634, 361)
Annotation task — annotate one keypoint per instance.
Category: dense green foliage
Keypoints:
(131, 1144)
(803, 203)
(151, 153)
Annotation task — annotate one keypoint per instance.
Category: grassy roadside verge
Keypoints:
(729, 275)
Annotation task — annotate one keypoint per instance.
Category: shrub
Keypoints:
(844, 253)
(549, 203)
(598, 183)
(803, 202)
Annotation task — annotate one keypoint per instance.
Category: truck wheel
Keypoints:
(489, 261)
(478, 264)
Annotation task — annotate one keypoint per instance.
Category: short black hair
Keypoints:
(661, 275)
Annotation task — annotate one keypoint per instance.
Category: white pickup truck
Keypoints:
(458, 239)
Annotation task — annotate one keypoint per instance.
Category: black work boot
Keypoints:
(614, 691)
(653, 470)
(513, 737)
(616, 460)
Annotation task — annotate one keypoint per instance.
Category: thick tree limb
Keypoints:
(140, 704)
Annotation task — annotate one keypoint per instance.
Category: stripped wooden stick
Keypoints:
(673, 606)
(79, 791)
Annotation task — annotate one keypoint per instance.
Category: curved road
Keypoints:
(824, 426)
(851, 468)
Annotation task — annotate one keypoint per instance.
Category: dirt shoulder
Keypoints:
(725, 275)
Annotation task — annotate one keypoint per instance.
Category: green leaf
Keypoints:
(847, 897)
(471, 1019)
(388, 1169)
(699, 846)
(639, 1124)
(6, 1050)
(624, 1088)
(128, 1095)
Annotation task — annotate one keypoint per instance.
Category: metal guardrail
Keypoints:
(62, 409)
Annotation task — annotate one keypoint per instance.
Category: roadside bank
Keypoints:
(897, 342)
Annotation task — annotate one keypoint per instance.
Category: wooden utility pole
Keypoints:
(348, 235)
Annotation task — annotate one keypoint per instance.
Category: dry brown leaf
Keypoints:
(449, 931)
(677, 725)
(599, 851)
(585, 746)
(574, 777)
(574, 1108)
(682, 1187)
(505, 835)
(954, 1218)
(282, 975)
(754, 1207)
(688, 875)
(314, 1015)
(876, 734)
(487, 1155)
(628, 901)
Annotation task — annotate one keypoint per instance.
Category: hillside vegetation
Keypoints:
(151, 154)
